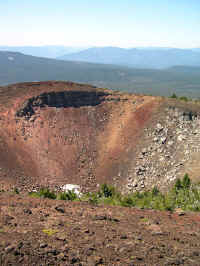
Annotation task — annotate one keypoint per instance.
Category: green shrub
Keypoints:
(93, 198)
(62, 196)
(169, 204)
(186, 181)
(178, 186)
(46, 193)
(34, 194)
(128, 201)
(106, 191)
(183, 98)
(183, 194)
(155, 191)
(139, 195)
(16, 190)
(70, 195)
(43, 193)
(174, 96)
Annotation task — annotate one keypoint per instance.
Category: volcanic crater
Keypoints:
(54, 133)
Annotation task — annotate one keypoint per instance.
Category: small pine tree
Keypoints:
(178, 184)
(155, 191)
(71, 195)
(107, 191)
(174, 96)
(16, 190)
(186, 181)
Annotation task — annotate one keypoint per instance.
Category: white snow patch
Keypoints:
(11, 58)
(75, 188)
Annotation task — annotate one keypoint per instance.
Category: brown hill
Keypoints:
(54, 133)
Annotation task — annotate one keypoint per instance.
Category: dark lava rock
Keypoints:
(60, 209)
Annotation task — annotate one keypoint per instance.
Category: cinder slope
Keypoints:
(51, 232)
(72, 134)
(53, 133)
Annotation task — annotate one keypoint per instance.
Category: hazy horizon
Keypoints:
(102, 46)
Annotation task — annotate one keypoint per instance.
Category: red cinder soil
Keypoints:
(49, 232)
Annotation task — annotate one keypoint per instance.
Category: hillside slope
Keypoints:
(54, 133)
(49, 51)
(16, 67)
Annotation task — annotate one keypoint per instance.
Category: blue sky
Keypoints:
(123, 23)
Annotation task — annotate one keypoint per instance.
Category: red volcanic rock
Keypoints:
(54, 133)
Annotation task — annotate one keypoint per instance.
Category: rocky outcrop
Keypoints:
(62, 99)
(167, 148)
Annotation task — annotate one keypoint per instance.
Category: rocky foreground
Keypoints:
(52, 232)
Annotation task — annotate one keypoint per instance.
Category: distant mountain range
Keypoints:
(141, 57)
(183, 80)
(150, 57)
(49, 51)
